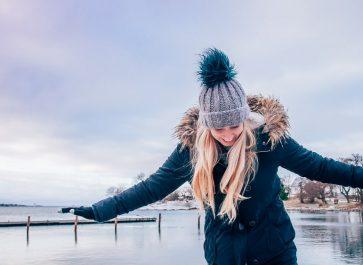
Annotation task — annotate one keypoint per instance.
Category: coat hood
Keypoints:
(276, 121)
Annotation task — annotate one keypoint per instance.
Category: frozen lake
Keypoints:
(329, 238)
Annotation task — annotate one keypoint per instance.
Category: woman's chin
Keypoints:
(225, 143)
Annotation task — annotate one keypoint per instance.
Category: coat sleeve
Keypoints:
(309, 164)
(175, 171)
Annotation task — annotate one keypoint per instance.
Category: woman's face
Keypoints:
(227, 135)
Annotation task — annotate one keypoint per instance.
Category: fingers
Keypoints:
(85, 212)
(65, 210)
(73, 210)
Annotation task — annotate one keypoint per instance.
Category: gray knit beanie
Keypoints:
(222, 101)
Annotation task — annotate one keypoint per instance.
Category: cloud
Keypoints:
(90, 93)
(36, 163)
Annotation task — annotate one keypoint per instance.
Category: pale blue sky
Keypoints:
(90, 91)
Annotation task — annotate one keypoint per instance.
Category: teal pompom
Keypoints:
(214, 68)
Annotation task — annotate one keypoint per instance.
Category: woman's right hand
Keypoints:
(86, 212)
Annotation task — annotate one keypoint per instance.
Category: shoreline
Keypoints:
(294, 205)
(291, 205)
(322, 210)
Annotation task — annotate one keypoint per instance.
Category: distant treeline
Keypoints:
(11, 205)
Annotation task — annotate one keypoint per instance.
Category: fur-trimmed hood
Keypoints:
(276, 121)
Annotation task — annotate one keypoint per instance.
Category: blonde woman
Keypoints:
(230, 148)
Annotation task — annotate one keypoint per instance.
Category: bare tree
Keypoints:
(186, 193)
(359, 194)
(315, 189)
(140, 177)
(345, 192)
(299, 182)
(174, 196)
(356, 160)
(115, 190)
(288, 182)
(332, 191)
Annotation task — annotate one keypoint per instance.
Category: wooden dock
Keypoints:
(80, 222)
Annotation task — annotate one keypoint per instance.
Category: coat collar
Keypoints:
(275, 126)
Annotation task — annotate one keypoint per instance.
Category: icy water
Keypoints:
(331, 238)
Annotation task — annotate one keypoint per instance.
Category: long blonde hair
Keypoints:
(242, 167)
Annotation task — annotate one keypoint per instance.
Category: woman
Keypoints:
(230, 148)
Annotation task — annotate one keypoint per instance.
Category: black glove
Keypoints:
(86, 212)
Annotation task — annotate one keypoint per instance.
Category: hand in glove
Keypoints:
(85, 212)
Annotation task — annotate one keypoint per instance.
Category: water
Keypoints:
(331, 238)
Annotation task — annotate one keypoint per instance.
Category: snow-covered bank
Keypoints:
(172, 205)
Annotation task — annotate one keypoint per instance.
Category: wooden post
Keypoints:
(159, 220)
(198, 221)
(76, 224)
(75, 228)
(116, 221)
(28, 225)
(116, 224)
(27, 230)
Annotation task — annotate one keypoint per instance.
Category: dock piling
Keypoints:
(28, 225)
(159, 221)
(75, 228)
(72, 222)
(75, 224)
(27, 230)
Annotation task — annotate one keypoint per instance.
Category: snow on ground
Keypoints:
(171, 205)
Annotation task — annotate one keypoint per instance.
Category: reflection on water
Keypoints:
(329, 238)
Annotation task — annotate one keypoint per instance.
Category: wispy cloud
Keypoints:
(90, 93)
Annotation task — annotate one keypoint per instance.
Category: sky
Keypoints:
(90, 91)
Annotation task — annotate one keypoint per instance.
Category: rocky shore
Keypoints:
(318, 207)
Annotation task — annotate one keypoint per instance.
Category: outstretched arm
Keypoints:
(311, 165)
(172, 174)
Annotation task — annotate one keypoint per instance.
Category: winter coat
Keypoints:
(262, 229)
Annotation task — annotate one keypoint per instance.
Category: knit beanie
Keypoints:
(222, 101)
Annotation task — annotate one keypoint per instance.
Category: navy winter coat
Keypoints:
(262, 232)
